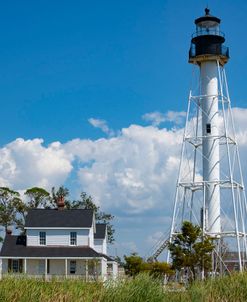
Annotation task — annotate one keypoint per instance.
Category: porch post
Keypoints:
(103, 268)
(25, 266)
(86, 270)
(45, 268)
(66, 268)
(1, 269)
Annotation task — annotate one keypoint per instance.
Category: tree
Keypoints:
(57, 194)
(86, 202)
(36, 198)
(160, 269)
(8, 199)
(133, 264)
(191, 251)
(118, 260)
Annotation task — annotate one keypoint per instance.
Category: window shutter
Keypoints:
(20, 265)
(9, 265)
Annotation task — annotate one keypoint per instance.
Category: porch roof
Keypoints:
(15, 246)
(109, 259)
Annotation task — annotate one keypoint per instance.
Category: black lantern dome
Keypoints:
(207, 41)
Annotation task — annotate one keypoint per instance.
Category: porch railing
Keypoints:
(50, 277)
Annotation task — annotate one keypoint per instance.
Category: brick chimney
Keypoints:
(60, 203)
(9, 232)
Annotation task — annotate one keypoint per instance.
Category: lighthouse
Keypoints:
(207, 51)
(210, 189)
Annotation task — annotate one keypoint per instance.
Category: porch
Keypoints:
(48, 268)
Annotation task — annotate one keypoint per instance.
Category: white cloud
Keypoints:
(156, 118)
(152, 239)
(129, 172)
(133, 172)
(131, 175)
(176, 117)
(130, 246)
(101, 124)
(28, 163)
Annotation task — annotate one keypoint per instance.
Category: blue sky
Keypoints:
(64, 62)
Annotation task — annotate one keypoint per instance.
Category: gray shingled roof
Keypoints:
(107, 257)
(59, 218)
(100, 231)
(15, 246)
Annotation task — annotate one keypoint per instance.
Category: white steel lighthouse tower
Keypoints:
(210, 190)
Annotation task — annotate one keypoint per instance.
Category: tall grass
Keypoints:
(141, 289)
(33, 290)
(228, 288)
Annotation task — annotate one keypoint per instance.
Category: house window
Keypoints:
(73, 238)
(15, 266)
(42, 238)
(208, 128)
(72, 267)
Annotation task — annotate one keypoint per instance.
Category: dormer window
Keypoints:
(42, 238)
(73, 238)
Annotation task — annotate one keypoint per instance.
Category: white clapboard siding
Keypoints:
(32, 237)
(58, 237)
(100, 245)
(82, 237)
(4, 266)
(91, 238)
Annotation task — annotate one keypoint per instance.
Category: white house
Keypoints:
(59, 242)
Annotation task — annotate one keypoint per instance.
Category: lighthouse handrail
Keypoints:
(205, 32)
(223, 50)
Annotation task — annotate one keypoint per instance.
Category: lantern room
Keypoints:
(207, 41)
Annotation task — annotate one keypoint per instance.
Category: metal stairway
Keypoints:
(158, 248)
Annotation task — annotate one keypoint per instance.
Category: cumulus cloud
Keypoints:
(152, 239)
(129, 172)
(102, 125)
(176, 117)
(24, 163)
(132, 175)
(133, 172)
(156, 117)
(130, 246)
